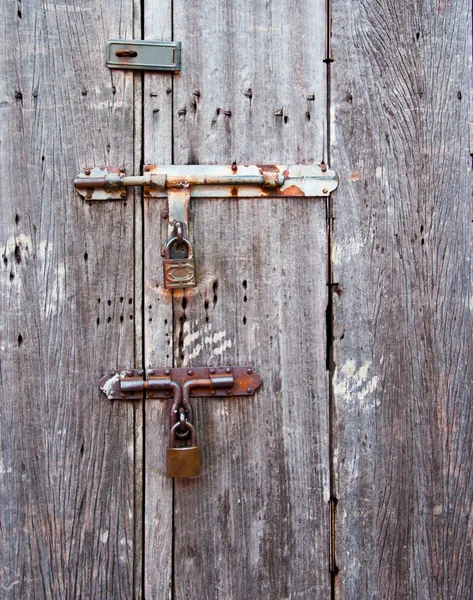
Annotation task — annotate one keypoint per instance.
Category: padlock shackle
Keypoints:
(172, 439)
(174, 240)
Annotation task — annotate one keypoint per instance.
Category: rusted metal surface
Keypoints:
(210, 181)
(183, 460)
(130, 384)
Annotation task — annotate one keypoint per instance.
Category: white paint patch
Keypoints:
(21, 241)
(200, 339)
(104, 537)
(379, 172)
(4, 469)
(354, 385)
(108, 385)
(221, 349)
(350, 249)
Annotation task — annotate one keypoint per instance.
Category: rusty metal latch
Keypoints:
(144, 55)
(178, 385)
(180, 183)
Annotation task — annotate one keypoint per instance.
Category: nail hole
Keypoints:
(20, 340)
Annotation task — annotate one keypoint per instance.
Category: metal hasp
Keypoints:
(180, 183)
(178, 385)
(144, 55)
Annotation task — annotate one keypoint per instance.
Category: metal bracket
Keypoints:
(180, 183)
(144, 55)
(130, 384)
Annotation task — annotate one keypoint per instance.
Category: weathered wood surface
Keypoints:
(254, 524)
(67, 307)
(158, 321)
(403, 319)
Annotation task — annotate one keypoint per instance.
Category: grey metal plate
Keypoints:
(150, 55)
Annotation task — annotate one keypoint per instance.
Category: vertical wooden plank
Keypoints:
(158, 489)
(252, 90)
(67, 306)
(403, 316)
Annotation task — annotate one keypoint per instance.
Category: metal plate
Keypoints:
(143, 55)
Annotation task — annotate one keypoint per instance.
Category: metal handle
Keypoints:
(126, 53)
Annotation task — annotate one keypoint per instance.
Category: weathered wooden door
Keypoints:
(354, 311)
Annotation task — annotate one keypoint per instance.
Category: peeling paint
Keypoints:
(355, 385)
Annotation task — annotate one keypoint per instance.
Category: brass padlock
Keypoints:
(183, 462)
(179, 272)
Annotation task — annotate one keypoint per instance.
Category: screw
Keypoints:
(165, 215)
(212, 371)
(151, 372)
(228, 370)
(112, 372)
(229, 392)
(213, 392)
(325, 191)
(112, 393)
(167, 396)
(89, 195)
(167, 372)
(122, 169)
(249, 390)
(190, 372)
(146, 192)
(323, 167)
(249, 371)
(129, 373)
(146, 168)
(87, 171)
(123, 195)
(141, 373)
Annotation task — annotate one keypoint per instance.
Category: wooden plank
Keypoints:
(158, 489)
(254, 525)
(403, 316)
(67, 307)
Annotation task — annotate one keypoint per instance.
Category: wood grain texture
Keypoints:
(67, 307)
(158, 352)
(403, 317)
(252, 89)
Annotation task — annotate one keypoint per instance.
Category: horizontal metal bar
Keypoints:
(210, 181)
(143, 55)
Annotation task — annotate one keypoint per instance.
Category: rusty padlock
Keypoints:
(183, 462)
(179, 272)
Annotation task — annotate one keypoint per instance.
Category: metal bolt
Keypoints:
(228, 370)
(325, 191)
(87, 171)
(167, 394)
(112, 372)
(167, 372)
(212, 371)
(141, 373)
(146, 168)
(249, 390)
(213, 392)
(146, 192)
(129, 373)
(123, 195)
(229, 392)
(190, 372)
(151, 372)
(249, 371)
(323, 167)
(89, 195)
(165, 215)
(122, 169)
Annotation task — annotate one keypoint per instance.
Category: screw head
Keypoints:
(122, 169)
(141, 373)
(112, 372)
(167, 394)
(190, 372)
(249, 371)
(325, 191)
(165, 215)
(212, 371)
(146, 168)
(151, 372)
(323, 168)
(229, 392)
(167, 371)
(129, 373)
(89, 195)
(112, 393)
(228, 370)
(87, 172)
(123, 195)
(249, 390)
(213, 392)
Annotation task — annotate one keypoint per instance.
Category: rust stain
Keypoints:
(268, 168)
(234, 191)
(355, 176)
(292, 190)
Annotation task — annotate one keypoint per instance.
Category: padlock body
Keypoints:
(183, 462)
(179, 273)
